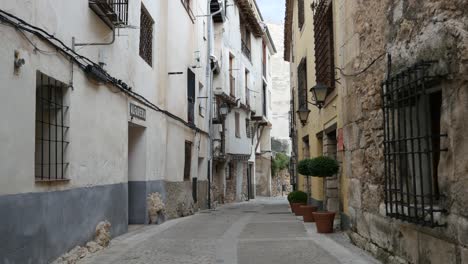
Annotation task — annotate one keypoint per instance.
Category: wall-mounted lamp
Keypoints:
(223, 110)
(319, 94)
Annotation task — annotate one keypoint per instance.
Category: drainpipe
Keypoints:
(209, 79)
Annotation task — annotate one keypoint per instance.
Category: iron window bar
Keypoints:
(51, 130)
(113, 12)
(409, 150)
(246, 50)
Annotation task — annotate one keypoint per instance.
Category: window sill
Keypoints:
(39, 181)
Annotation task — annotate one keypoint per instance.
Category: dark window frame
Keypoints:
(51, 131)
(300, 14)
(146, 36)
(188, 161)
(302, 88)
(324, 44)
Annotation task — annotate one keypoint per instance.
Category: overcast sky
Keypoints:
(272, 10)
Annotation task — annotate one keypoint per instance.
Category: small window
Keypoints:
(245, 40)
(191, 96)
(237, 116)
(247, 90)
(231, 171)
(51, 129)
(302, 84)
(146, 36)
(232, 79)
(248, 128)
(300, 13)
(188, 160)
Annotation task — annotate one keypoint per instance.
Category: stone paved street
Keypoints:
(261, 231)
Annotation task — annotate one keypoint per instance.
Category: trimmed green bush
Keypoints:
(318, 167)
(297, 197)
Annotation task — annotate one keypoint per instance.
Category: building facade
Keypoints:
(242, 89)
(400, 75)
(318, 134)
(110, 106)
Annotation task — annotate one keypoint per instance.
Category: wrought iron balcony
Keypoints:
(113, 12)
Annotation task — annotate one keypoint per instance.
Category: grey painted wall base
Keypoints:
(39, 227)
(137, 193)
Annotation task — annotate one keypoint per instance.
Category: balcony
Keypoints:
(232, 85)
(246, 50)
(215, 5)
(112, 12)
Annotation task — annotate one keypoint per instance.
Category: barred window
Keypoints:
(324, 49)
(302, 84)
(146, 36)
(248, 128)
(412, 103)
(300, 13)
(51, 129)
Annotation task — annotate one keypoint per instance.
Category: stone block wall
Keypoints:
(410, 31)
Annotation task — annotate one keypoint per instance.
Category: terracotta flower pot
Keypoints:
(307, 211)
(295, 207)
(324, 221)
(298, 210)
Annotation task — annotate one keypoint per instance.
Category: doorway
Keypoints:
(136, 175)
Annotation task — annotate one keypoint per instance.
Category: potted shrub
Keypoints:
(296, 199)
(320, 167)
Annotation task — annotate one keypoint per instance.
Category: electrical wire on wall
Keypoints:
(84, 63)
(363, 70)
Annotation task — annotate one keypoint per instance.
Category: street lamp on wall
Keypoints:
(223, 110)
(319, 94)
(303, 114)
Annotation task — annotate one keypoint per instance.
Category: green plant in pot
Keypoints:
(320, 167)
(296, 199)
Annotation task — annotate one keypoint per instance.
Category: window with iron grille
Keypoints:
(300, 13)
(412, 103)
(245, 40)
(324, 49)
(237, 124)
(146, 36)
(302, 84)
(188, 160)
(190, 96)
(51, 129)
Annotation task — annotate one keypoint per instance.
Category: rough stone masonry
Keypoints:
(411, 31)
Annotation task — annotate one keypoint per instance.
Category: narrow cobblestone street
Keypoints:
(261, 231)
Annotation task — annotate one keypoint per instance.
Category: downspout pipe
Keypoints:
(209, 79)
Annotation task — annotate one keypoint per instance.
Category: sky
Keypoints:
(272, 10)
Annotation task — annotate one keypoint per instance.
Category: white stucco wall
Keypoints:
(98, 115)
